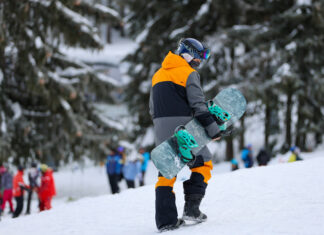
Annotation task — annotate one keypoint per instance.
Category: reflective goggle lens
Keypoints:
(206, 54)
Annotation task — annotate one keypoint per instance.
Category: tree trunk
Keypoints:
(267, 124)
(242, 139)
(229, 148)
(300, 133)
(288, 119)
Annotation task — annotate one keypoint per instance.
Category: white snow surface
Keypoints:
(285, 198)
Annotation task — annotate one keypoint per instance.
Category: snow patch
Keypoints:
(38, 42)
(304, 2)
(1, 77)
(17, 111)
(65, 104)
(3, 123)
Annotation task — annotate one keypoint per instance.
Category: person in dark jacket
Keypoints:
(6, 188)
(33, 176)
(263, 157)
(176, 97)
(113, 168)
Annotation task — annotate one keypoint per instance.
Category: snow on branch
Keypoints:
(63, 81)
(106, 10)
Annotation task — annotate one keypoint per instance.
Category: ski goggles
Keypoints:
(203, 55)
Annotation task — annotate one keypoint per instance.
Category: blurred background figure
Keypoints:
(19, 187)
(295, 151)
(263, 157)
(234, 164)
(247, 156)
(132, 168)
(122, 154)
(46, 190)
(113, 169)
(33, 175)
(146, 158)
(6, 188)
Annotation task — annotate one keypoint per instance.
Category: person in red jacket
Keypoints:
(18, 191)
(46, 190)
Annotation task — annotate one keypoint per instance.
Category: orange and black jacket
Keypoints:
(177, 96)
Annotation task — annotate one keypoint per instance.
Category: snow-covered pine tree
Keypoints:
(253, 44)
(283, 63)
(159, 25)
(46, 109)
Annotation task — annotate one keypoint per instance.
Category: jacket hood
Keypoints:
(172, 61)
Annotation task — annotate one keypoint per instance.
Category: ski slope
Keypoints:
(284, 198)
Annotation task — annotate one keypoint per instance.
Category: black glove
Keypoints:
(229, 131)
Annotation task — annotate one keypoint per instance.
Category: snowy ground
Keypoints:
(277, 199)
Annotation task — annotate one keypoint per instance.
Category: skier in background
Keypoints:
(19, 187)
(46, 191)
(146, 158)
(234, 165)
(132, 168)
(263, 157)
(295, 151)
(176, 97)
(113, 168)
(247, 156)
(122, 154)
(6, 188)
(33, 175)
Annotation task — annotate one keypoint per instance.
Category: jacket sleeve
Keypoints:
(197, 102)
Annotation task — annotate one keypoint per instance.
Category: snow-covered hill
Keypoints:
(277, 199)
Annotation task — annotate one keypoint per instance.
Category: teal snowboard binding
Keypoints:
(220, 115)
(185, 142)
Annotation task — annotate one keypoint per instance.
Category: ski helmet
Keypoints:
(194, 48)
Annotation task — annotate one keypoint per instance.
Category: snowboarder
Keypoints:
(263, 157)
(46, 190)
(19, 187)
(295, 151)
(113, 168)
(33, 175)
(247, 156)
(146, 158)
(176, 97)
(6, 188)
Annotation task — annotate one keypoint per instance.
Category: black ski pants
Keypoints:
(19, 206)
(165, 206)
(113, 181)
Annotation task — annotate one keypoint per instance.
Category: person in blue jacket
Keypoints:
(247, 156)
(146, 158)
(113, 167)
(132, 168)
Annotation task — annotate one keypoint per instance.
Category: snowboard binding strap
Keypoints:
(185, 142)
(220, 115)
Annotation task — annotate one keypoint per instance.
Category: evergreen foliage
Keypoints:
(46, 109)
(271, 50)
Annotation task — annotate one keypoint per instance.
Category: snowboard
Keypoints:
(170, 157)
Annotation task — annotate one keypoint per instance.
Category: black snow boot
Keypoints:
(191, 210)
(165, 228)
